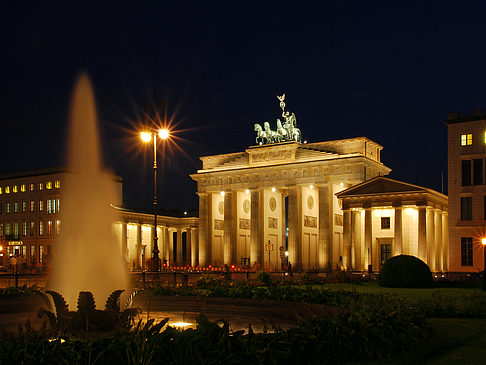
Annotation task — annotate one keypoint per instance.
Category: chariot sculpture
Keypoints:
(285, 132)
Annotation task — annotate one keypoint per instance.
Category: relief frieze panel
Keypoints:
(244, 223)
(310, 221)
(272, 222)
(219, 224)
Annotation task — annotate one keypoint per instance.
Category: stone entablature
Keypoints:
(292, 152)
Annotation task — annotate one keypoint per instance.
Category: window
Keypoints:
(385, 222)
(24, 228)
(24, 206)
(16, 207)
(1, 230)
(32, 229)
(49, 206)
(7, 190)
(31, 187)
(41, 205)
(49, 227)
(31, 205)
(58, 226)
(41, 186)
(57, 184)
(41, 228)
(15, 189)
(22, 188)
(466, 139)
(466, 251)
(49, 185)
(466, 208)
(478, 171)
(7, 208)
(1, 191)
(466, 172)
(7, 229)
(16, 229)
(54, 206)
(58, 205)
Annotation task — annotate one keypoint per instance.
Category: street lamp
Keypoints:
(147, 137)
(483, 242)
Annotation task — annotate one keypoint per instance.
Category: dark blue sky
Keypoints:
(385, 70)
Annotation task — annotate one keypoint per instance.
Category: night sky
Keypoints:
(390, 71)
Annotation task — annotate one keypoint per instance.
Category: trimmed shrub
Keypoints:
(405, 271)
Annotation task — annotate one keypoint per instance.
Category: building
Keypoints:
(383, 217)
(31, 221)
(467, 190)
(271, 198)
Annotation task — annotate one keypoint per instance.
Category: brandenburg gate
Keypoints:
(279, 195)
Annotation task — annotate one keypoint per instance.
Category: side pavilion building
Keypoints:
(256, 204)
(383, 217)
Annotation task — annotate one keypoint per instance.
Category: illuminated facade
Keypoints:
(383, 217)
(467, 190)
(257, 204)
(31, 221)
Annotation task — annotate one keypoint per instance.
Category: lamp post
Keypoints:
(483, 242)
(147, 137)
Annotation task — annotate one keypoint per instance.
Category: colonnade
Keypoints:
(418, 230)
(258, 219)
(177, 244)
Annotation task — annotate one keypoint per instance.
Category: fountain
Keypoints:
(88, 257)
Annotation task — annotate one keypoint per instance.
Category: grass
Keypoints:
(451, 341)
(413, 294)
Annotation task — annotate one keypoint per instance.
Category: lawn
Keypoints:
(452, 341)
(418, 294)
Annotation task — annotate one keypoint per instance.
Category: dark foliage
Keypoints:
(404, 271)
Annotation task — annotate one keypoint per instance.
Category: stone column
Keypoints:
(445, 242)
(325, 227)
(194, 248)
(170, 243)
(431, 238)
(368, 239)
(150, 246)
(256, 239)
(347, 238)
(139, 247)
(422, 236)
(167, 249)
(230, 218)
(188, 260)
(180, 262)
(204, 247)
(124, 243)
(358, 263)
(437, 255)
(295, 227)
(398, 243)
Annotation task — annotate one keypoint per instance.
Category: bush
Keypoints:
(405, 271)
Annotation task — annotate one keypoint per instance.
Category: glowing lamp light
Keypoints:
(232, 266)
(1, 248)
(273, 189)
(247, 191)
(164, 133)
(312, 186)
(222, 193)
(286, 253)
(341, 184)
(145, 136)
(483, 241)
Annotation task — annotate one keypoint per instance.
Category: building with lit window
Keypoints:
(467, 189)
(31, 221)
